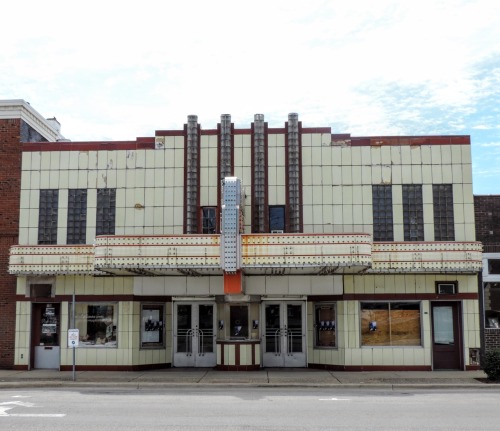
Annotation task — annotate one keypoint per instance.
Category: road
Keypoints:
(246, 408)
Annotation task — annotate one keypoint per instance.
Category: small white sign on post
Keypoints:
(73, 337)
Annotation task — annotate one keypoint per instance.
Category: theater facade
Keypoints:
(241, 248)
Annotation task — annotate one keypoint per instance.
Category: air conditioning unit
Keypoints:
(276, 231)
(446, 288)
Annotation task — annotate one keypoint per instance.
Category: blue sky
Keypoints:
(112, 70)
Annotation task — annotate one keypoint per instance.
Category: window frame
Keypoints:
(281, 227)
(48, 216)
(235, 334)
(444, 215)
(86, 339)
(454, 283)
(318, 327)
(382, 212)
(76, 227)
(206, 230)
(413, 209)
(105, 222)
(378, 326)
(151, 325)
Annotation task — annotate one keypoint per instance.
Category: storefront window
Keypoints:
(97, 324)
(390, 324)
(238, 317)
(152, 324)
(325, 325)
(492, 304)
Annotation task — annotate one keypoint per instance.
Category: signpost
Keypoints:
(73, 338)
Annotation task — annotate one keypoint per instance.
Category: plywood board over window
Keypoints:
(390, 324)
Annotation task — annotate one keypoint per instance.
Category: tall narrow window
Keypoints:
(47, 216)
(382, 213)
(106, 210)
(77, 216)
(208, 220)
(413, 212)
(277, 219)
(444, 222)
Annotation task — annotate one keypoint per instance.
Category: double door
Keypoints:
(284, 339)
(194, 335)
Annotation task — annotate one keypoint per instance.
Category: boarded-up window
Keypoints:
(390, 324)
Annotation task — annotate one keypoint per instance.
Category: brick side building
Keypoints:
(487, 212)
(18, 123)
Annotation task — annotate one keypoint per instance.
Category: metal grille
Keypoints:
(413, 212)
(77, 216)
(444, 221)
(259, 170)
(106, 211)
(192, 162)
(47, 216)
(293, 174)
(225, 146)
(382, 213)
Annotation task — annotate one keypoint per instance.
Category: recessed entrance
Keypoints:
(45, 352)
(284, 340)
(194, 334)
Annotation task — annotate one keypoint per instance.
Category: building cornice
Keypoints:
(20, 109)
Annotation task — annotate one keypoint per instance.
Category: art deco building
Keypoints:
(241, 248)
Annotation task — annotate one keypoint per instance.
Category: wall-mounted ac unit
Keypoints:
(276, 231)
(446, 288)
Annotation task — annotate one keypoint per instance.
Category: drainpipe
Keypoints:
(481, 313)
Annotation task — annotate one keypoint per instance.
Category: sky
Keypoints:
(117, 70)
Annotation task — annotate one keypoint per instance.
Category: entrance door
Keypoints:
(194, 335)
(446, 336)
(284, 341)
(45, 349)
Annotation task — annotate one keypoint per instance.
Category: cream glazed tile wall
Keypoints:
(22, 337)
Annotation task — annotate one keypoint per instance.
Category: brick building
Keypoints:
(19, 122)
(487, 212)
(241, 248)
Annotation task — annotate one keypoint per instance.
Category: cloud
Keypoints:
(361, 67)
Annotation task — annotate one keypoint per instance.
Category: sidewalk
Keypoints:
(270, 377)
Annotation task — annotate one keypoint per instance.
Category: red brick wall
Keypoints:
(491, 339)
(10, 186)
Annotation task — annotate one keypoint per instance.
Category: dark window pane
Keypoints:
(208, 220)
(444, 223)
(277, 218)
(47, 216)
(413, 212)
(106, 211)
(382, 213)
(77, 216)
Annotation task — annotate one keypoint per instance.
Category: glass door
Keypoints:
(194, 335)
(284, 340)
(446, 339)
(45, 336)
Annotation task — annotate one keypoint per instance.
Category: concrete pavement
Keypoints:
(269, 377)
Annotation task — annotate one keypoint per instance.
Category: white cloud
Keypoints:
(112, 70)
